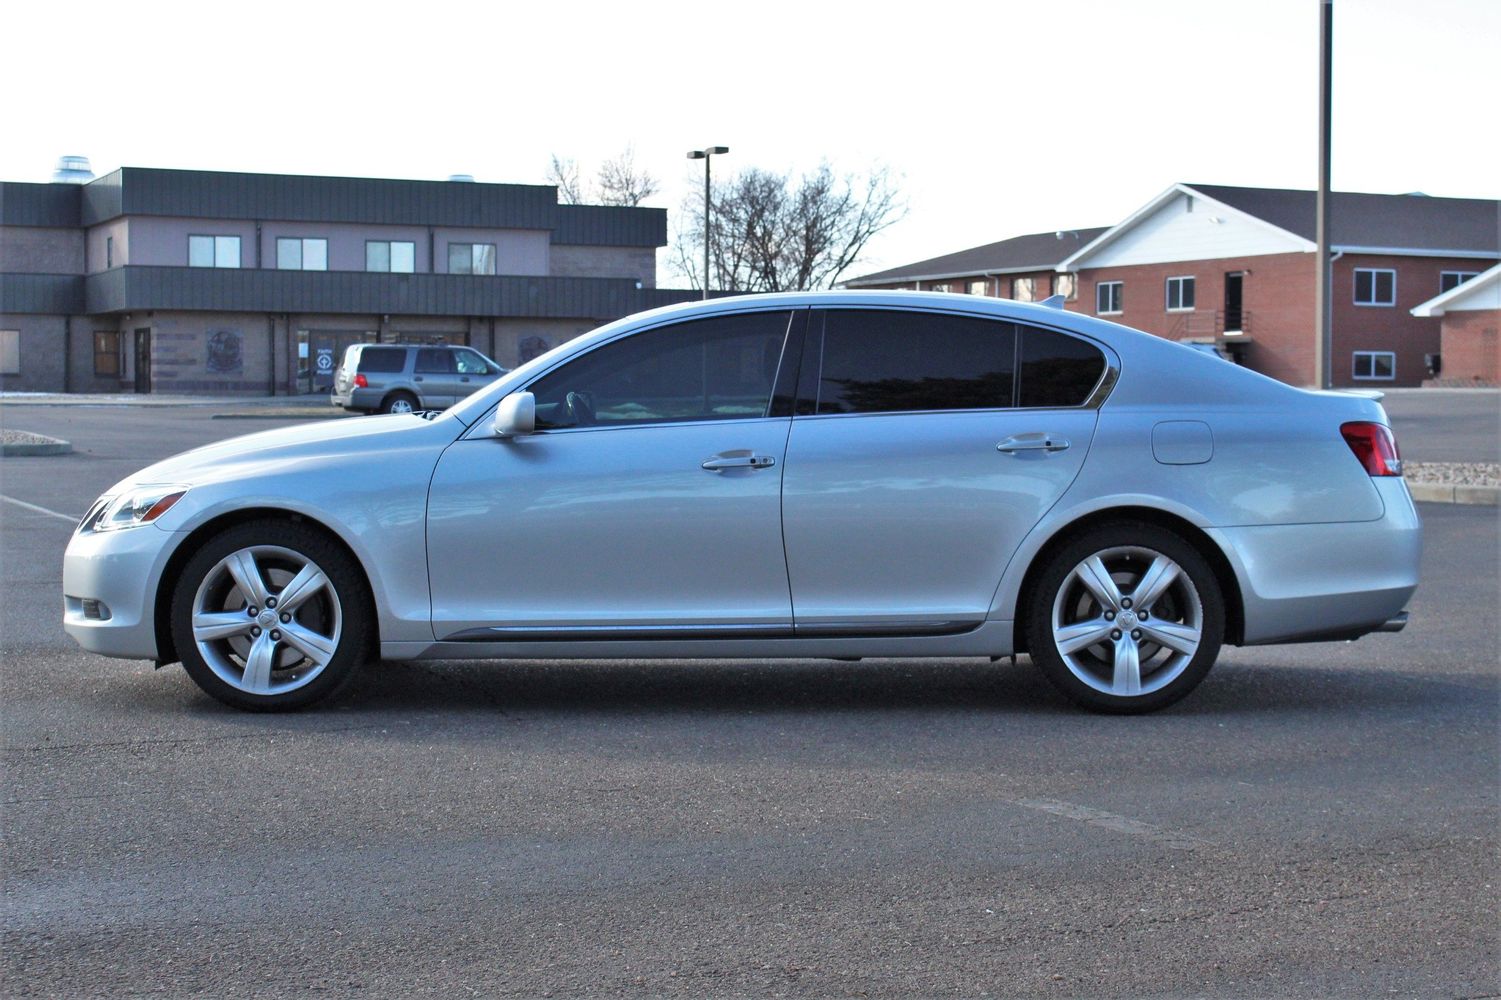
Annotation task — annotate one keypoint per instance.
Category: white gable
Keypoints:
(1481, 292)
(1485, 297)
(1189, 227)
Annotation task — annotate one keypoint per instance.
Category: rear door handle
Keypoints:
(721, 462)
(1037, 441)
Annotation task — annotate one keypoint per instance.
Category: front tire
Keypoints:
(1127, 617)
(272, 615)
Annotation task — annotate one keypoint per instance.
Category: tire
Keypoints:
(281, 657)
(1093, 585)
(399, 402)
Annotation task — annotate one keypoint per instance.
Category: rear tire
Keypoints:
(272, 615)
(399, 402)
(1127, 617)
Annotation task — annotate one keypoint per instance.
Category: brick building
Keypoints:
(189, 281)
(1469, 316)
(1234, 266)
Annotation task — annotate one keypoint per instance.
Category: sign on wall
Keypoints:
(323, 363)
(226, 352)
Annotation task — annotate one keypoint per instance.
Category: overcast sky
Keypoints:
(1003, 117)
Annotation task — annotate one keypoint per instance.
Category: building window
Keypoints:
(106, 353)
(1375, 286)
(978, 287)
(109, 252)
(213, 251)
(1453, 279)
(1024, 289)
(471, 258)
(1109, 298)
(1066, 285)
(1375, 365)
(398, 256)
(296, 253)
(1180, 294)
(940, 286)
(10, 352)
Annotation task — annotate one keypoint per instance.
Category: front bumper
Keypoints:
(121, 570)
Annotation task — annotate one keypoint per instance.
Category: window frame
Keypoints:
(1463, 276)
(1031, 284)
(215, 238)
(494, 259)
(1355, 357)
(1119, 297)
(983, 283)
(1374, 303)
(14, 335)
(109, 253)
(113, 353)
(390, 255)
(1072, 295)
(1185, 281)
(302, 242)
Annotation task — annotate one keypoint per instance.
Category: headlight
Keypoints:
(141, 505)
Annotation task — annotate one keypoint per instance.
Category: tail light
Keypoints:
(361, 382)
(1374, 445)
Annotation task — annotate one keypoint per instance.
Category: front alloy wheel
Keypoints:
(1129, 618)
(270, 615)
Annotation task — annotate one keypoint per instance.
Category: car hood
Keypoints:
(286, 447)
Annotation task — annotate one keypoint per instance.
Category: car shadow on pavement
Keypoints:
(738, 686)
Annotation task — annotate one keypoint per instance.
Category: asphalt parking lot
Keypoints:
(1315, 820)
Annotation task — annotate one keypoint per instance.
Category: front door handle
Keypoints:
(1037, 441)
(721, 462)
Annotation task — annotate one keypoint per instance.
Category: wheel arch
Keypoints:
(162, 604)
(1177, 523)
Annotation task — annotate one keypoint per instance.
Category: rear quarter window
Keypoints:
(1056, 369)
(383, 359)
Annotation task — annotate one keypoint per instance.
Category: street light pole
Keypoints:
(1323, 295)
(706, 154)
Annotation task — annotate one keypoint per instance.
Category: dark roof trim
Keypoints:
(49, 205)
(134, 288)
(609, 226)
(41, 294)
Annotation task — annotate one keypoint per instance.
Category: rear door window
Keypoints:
(470, 363)
(434, 361)
(889, 360)
(383, 359)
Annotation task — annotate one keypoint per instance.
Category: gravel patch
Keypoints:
(19, 443)
(1453, 473)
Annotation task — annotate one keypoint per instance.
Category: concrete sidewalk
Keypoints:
(146, 399)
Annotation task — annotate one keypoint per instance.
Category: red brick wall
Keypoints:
(1389, 328)
(1471, 351)
(1276, 298)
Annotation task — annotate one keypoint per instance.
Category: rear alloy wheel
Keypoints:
(271, 615)
(1126, 618)
(400, 402)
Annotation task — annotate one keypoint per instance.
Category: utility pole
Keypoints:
(1323, 301)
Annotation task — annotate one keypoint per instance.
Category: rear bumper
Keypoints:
(1320, 582)
(357, 399)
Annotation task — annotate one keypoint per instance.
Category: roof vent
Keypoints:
(461, 178)
(72, 170)
(1417, 194)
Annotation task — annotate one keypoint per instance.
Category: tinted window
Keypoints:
(882, 360)
(383, 359)
(1057, 370)
(710, 369)
(434, 361)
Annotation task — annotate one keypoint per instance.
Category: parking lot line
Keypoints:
(41, 510)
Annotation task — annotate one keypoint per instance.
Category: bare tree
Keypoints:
(621, 182)
(776, 232)
(564, 172)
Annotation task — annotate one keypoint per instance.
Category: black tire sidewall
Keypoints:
(1062, 561)
(346, 577)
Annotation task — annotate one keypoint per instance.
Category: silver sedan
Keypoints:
(832, 474)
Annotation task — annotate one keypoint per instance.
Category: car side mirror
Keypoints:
(516, 415)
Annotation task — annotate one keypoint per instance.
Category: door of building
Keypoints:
(143, 360)
(1234, 315)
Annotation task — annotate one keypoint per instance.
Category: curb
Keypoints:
(279, 416)
(51, 446)
(1488, 496)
